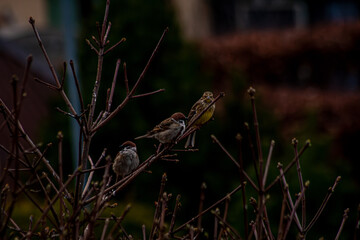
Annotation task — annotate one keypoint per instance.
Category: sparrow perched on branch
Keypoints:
(168, 130)
(126, 161)
(196, 109)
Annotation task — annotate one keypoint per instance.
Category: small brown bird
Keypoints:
(126, 161)
(168, 130)
(195, 110)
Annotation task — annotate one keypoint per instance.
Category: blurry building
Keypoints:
(17, 41)
(302, 55)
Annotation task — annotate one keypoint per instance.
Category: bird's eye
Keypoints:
(182, 122)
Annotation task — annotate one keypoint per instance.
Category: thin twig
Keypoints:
(115, 45)
(272, 144)
(17, 228)
(235, 162)
(301, 183)
(89, 179)
(61, 87)
(287, 168)
(172, 222)
(253, 231)
(126, 80)
(290, 201)
(164, 201)
(118, 221)
(298, 200)
(46, 84)
(77, 84)
(227, 225)
(226, 209)
(108, 106)
(209, 208)
(92, 46)
(103, 36)
(158, 207)
(322, 206)
(282, 216)
(242, 178)
(345, 216)
(149, 93)
(357, 222)
(95, 40)
(24, 81)
(105, 41)
(143, 232)
(251, 92)
(216, 223)
(106, 224)
(251, 145)
(266, 225)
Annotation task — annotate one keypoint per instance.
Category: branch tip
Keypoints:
(60, 135)
(238, 137)
(31, 20)
(251, 91)
(30, 58)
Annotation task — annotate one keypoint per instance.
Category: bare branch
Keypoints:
(345, 216)
(115, 45)
(77, 86)
(301, 182)
(149, 93)
(322, 206)
(156, 219)
(126, 80)
(172, 223)
(272, 144)
(287, 168)
(209, 208)
(92, 46)
(52, 69)
(132, 92)
(236, 163)
(118, 221)
(286, 191)
(293, 212)
(108, 107)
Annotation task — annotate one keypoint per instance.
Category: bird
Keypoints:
(126, 161)
(195, 110)
(168, 130)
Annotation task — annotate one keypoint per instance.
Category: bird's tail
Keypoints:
(143, 136)
(190, 142)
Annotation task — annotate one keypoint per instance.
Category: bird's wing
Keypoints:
(166, 123)
(196, 109)
(161, 126)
